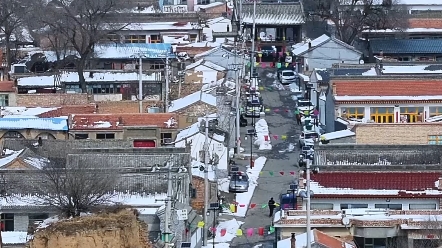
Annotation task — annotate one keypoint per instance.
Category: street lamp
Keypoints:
(251, 133)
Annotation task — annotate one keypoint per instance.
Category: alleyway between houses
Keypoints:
(282, 158)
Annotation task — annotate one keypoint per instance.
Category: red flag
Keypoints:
(242, 205)
(276, 110)
(252, 205)
(213, 229)
(275, 137)
(292, 173)
(282, 173)
(286, 110)
(266, 138)
(223, 232)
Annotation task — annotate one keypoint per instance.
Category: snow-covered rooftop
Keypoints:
(338, 134)
(13, 112)
(419, 2)
(407, 30)
(191, 99)
(206, 64)
(72, 77)
(56, 124)
(406, 69)
(161, 26)
(304, 46)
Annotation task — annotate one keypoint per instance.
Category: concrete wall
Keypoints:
(371, 202)
(35, 134)
(51, 100)
(396, 133)
(365, 157)
(331, 53)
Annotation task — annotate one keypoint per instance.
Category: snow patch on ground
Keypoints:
(223, 185)
(263, 140)
(277, 85)
(245, 198)
(231, 227)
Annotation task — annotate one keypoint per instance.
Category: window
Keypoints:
(321, 206)
(13, 135)
(157, 66)
(382, 114)
(389, 206)
(435, 111)
(435, 139)
(7, 222)
(104, 88)
(422, 206)
(411, 114)
(112, 38)
(4, 100)
(166, 138)
(350, 113)
(350, 206)
(81, 136)
(105, 136)
(37, 218)
(135, 39)
(193, 37)
(155, 38)
(203, 2)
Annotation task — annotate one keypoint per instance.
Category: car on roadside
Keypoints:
(239, 182)
(307, 138)
(305, 105)
(288, 77)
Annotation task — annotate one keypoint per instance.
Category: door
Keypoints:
(144, 143)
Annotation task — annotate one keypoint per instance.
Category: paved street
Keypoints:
(278, 159)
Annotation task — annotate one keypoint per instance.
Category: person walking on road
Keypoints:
(271, 206)
(298, 119)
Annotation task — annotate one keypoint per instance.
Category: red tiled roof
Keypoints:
(388, 87)
(328, 241)
(69, 110)
(410, 181)
(425, 23)
(7, 86)
(118, 121)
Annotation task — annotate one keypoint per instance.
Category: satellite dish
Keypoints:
(361, 62)
(345, 221)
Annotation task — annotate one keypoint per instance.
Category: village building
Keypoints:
(387, 99)
(193, 106)
(319, 240)
(143, 130)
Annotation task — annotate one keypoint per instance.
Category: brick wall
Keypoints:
(51, 100)
(121, 107)
(396, 133)
(186, 89)
(216, 11)
(197, 203)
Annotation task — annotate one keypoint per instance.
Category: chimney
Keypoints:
(293, 241)
(309, 45)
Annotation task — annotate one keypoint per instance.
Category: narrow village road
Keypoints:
(271, 183)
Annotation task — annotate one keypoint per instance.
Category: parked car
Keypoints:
(305, 105)
(307, 150)
(239, 182)
(307, 139)
(288, 77)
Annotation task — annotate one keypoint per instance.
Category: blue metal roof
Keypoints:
(55, 124)
(122, 51)
(406, 46)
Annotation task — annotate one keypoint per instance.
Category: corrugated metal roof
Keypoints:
(407, 46)
(274, 13)
(56, 124)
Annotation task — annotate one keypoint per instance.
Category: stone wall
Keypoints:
(396, 133)
(51, 100)
(377, 156)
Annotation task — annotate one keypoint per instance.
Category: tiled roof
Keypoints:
(277, 14)
(69, 110)
(425, 23)
(412, 181)
(388, 87)
(118, 121)
(7, 86)
(406, 46)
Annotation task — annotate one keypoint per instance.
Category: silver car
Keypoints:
(239, 182)
(288, 77)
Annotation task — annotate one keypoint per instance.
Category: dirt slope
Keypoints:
(110, 230)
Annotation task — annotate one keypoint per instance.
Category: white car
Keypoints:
(305, 105)
(288, 77)
(307, 139)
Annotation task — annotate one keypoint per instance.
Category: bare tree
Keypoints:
(351, 17)
(82, 24)
(75, 189)
(12, 13)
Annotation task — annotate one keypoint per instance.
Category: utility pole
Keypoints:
(307, 171)
(166, 102)
(166, 237)
(140, 82)
(252, 56)
(206, 181)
